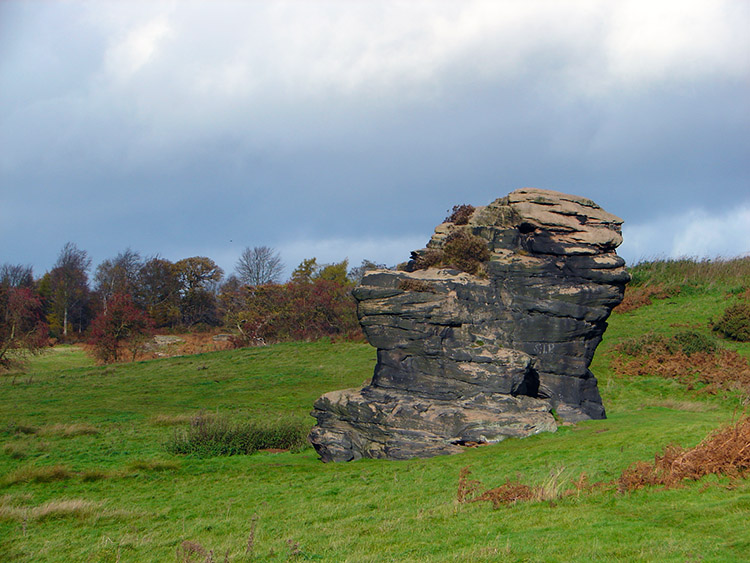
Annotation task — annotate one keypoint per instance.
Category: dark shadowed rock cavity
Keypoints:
(472, 359)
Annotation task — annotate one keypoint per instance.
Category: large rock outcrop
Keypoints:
(475, 358)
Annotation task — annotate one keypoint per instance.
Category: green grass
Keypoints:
(117, 495)
(694, 276)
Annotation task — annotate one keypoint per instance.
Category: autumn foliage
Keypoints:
(22, 328)
(293, 311)
(120, 324)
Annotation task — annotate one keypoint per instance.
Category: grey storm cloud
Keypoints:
(344, 129)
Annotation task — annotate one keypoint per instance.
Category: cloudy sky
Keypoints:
(348, 129)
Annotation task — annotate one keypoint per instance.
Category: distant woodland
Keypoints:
(122, 302)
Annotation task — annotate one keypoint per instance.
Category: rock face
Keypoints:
(467, 359)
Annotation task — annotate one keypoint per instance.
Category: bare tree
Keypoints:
(259, 265)
(117, 275)
(16, 275)
(70, 285)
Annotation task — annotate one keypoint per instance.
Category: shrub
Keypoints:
(687, 341)
(461, 214)
(465, 251)
(690, 342)
(219, 436)
(735, 322)
(121, 321)
(430, 258)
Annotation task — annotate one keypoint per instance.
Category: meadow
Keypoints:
(85, 474)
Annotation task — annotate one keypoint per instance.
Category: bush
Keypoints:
(690, 342)
(735, 323)
(465, 251)
(209, 436)
(461, 214)
(430, 258)
(687, 341)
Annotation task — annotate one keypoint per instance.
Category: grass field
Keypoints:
(84, 474)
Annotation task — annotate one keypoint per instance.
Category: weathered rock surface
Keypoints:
(466, 359)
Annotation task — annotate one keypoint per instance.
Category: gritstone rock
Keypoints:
(467, 359)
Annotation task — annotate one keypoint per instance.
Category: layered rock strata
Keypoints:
(470, 359)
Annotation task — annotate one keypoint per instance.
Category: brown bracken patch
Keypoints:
(640, 296)
(723, 369)
(725, 452)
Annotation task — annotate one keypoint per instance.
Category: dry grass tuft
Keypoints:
(153, 465)
(13, 428)
(91, 475)
(15, 450)
(69, 430)
(11, 509)
(32, 474)
(725, 452)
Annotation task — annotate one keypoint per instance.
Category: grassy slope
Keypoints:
(370, 510)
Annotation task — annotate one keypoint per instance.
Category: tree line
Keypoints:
(128, 297)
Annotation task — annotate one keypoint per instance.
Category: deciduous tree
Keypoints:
(117, 275)
(16, 275)
(22, 328)
(259, 265)
(121, 322)
(69, 288)
(158, 291)
(305, 271)
(356, 274)
(199, 278)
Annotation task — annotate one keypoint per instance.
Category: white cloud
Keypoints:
(130, 53)
(298, 50)
(695, 233)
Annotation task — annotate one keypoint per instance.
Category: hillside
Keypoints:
(85, 476)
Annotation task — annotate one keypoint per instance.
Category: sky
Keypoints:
(349, 129)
